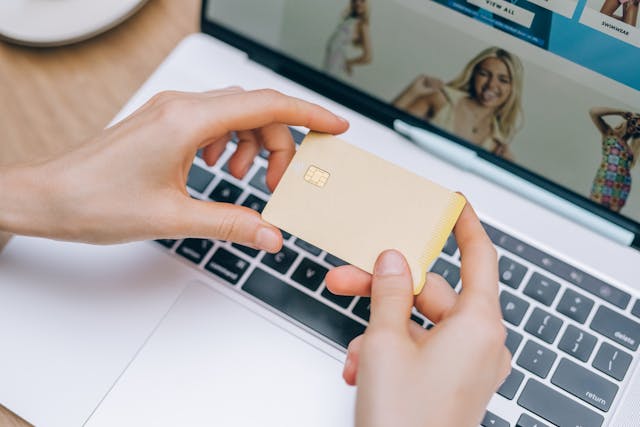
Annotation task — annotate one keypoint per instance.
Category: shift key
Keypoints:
(617, 327)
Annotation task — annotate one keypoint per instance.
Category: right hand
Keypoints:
(425, 85)
(445, 376)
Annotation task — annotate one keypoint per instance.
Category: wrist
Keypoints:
(24, 199)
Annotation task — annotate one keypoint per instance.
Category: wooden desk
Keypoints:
(54, 99)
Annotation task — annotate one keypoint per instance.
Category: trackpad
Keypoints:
(212, 361)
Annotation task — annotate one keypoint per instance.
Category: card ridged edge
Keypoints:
(441, 233)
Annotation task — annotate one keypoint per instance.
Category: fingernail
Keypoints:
(267, 239)
(390, 264)
(343, 120)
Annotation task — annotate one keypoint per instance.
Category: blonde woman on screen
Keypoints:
(482, 105)
(352, 33)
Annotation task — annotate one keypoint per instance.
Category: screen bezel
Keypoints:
(385, 114)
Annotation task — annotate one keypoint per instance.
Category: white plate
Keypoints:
(58, 22)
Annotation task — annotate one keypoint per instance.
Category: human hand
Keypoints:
(128, 183)
(409, 376)
(425, 85)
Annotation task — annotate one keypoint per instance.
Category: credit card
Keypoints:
(355, 205)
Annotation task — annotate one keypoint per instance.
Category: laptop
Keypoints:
(200, 332)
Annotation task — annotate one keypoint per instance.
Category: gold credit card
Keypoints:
(355, 205)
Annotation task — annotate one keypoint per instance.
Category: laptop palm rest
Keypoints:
(212, 361)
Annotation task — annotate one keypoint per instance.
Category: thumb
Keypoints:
(224, 221)
(391, 292)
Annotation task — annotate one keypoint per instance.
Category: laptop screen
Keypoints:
(552, 86)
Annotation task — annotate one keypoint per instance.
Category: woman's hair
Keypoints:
(508, 115)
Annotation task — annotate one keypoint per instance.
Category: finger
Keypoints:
(350, 370)
(247, 149)
(505, 366)
(277, 140)
(352, 363)
(479, 270)
(436, 299)
(223, 91)
(255, 109)
(391, 293)
(224, 221)
(212, 152)
(417, 332)
(172, 95)
(349, 280)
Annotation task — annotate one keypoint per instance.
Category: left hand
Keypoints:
(129, 182)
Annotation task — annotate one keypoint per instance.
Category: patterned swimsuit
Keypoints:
(612, 183)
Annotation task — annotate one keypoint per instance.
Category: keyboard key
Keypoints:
(585, 385)
(264, 154)
(615, 326)
(513, 308)
(199, 178)
(560, 268)
(259, 181)
(513, 341)
(309, 274)
(555, 407)
(334, 260)
(450, 272)
(510, 386)
(575, 306)
(450, 246)
(313, 250)
(362, 308)
(492, 420)
(636, 309)
(612, 361)
(511, 272)
(542, 289)
(255, 203)
(536, 359)
(280, 261)
(543, 325)
(194, 249)
(225, 192)
(246, 249)
(226, 265)
(577, 343)
(341, 300)
(297, 135)
(528, 421)
(285, 235)
(416, 319)
(167, 243)
(302, 307)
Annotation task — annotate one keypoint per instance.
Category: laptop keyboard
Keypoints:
(573, 336)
